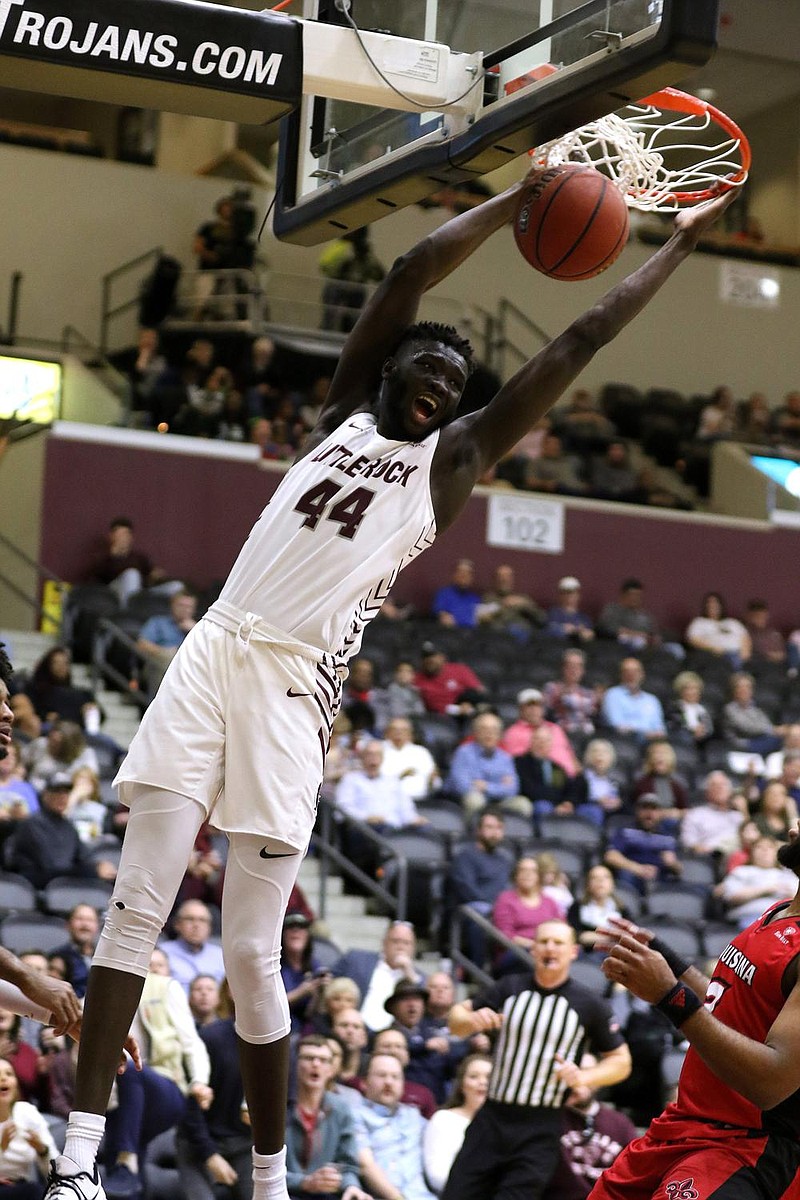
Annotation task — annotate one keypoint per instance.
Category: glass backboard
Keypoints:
(545, 67)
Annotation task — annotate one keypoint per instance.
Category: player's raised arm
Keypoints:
(536, 387)
(393, 306)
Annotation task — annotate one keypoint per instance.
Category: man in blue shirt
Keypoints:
(457, 603)
(191, 953)
(640, 854)
(479, 873)
(629, 709)
(480, 772)
(389, 1135)
(161, 636)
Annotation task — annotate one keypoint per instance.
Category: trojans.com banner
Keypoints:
(203, 44)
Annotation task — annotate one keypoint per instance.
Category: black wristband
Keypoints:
(679, 1004)
(674, 961)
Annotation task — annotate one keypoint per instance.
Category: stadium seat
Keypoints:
(62, 894)
(676, 901)
(33, 931)
(17, 894)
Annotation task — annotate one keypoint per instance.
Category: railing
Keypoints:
(107, 636)
(77, 344)
(506, 345)
(132, 273)
(323, 843)
(14, 290)
(32, 599)
(464, 915)
(217, 299)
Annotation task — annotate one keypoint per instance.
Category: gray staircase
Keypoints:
(346, 919)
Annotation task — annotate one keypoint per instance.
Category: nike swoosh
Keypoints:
(266, 854)
(293, 694)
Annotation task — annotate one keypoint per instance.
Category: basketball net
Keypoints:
(636, 145)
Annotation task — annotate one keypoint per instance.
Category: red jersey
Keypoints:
(443, 689)
(745, 993)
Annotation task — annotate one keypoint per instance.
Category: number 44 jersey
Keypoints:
(344, 521)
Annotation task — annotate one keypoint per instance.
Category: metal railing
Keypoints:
(93, 357)
(506, 343)
(217, 299)
(130, 274)
(107, 637)
(464, 915)
(31, 599)
(323, 842)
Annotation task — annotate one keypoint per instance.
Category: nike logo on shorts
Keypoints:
(293, 694)
(265, 853)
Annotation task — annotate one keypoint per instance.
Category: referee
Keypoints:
(511, 1148)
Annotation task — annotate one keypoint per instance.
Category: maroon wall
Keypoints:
(192, 514)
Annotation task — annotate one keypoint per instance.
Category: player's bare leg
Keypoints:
(265, 1075)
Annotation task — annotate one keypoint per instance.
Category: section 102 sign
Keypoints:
(524, 523)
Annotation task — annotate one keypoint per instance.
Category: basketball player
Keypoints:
(239, 728)
(733, 1133)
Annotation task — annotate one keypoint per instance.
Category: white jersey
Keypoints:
(344, 521)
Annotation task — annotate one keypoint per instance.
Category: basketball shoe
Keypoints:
(80, 1186)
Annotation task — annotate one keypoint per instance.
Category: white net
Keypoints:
(660, 160)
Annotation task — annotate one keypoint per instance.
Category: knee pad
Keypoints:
(134, 920)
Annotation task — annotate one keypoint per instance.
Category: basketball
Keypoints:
(572, 222)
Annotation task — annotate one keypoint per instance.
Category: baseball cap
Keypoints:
(569, 584)
(296, 920)
(651, 800)
(59, 781)
(530, 696)
(428, 649)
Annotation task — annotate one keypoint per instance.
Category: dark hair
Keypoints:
(757, 606)
(714, 596)
(308, 949)
(457, 1097)
(121, 523)
(447, 335)
(6, 669)
(628, 585)
(43, 671)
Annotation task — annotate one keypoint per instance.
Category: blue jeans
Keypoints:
(149, 1104)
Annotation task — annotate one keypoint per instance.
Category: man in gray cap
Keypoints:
(564, 619)
(47, 844)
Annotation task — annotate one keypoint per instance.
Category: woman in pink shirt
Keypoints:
(519, 911)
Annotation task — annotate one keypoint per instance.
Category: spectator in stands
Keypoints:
(18, 797)
(86, 809)
(83, 926)
(596, 785)
(553, 471)
(769, 644)
(541, 779)
(302, 976)
(717, 418)
(581, 423)
(122, 567)
(713, 827)
(598, 904)
(360, 685)
(754, 420)
(519, 911)
(790, 775)
(351, 1095)
(517, 738)
(627, 708)
(369, 795)
(259, 381)
(786, 421)
(746, 726)
(160, 637)
(405, 761)
(457, 604)
(447, 687)
(612, 477)
(776, 812)
(659, 776)
(400, 698)
(63, 750)
(504, 607)
(444, 1133)
(749, 889)
(27, 722)
(336, 995)
(774, 763)
(592, 1135)
(53, 693)
(22, 1058)
(627, 621)
(350, 1030)
(565, 620)
(432, 1061)
(688, 719)
(480, 771)
(641, 853)
(376, 974)
(349, 264)
(389, 1135)
(441, 997)
(321, 1151)
(568, 703)
(26, 1144)
(394, 1041)
(205, 872)
(190, 952)
(478, 874)
(47, 844)
(717, 633)
(204, 1000)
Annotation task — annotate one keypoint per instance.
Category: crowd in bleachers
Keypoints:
(530, 759)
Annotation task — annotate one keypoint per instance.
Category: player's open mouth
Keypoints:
(424, 407)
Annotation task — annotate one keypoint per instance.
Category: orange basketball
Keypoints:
(572, 222)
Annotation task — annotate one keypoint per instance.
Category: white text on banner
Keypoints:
(523, 523)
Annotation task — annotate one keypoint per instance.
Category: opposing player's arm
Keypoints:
(393, 306)
(536, 387)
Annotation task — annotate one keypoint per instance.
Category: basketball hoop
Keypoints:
(636, 145)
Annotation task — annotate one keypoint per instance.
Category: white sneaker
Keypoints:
(80, 1185)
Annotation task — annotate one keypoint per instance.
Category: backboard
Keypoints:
(532, 71)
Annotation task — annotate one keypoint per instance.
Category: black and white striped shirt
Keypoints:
(539, 1024)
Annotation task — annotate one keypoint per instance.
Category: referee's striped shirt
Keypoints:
(539, 1024)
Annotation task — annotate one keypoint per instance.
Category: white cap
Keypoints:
(569, 584)
(530, 696)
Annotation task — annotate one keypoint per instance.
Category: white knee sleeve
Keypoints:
(255, 895)
(158, 841)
